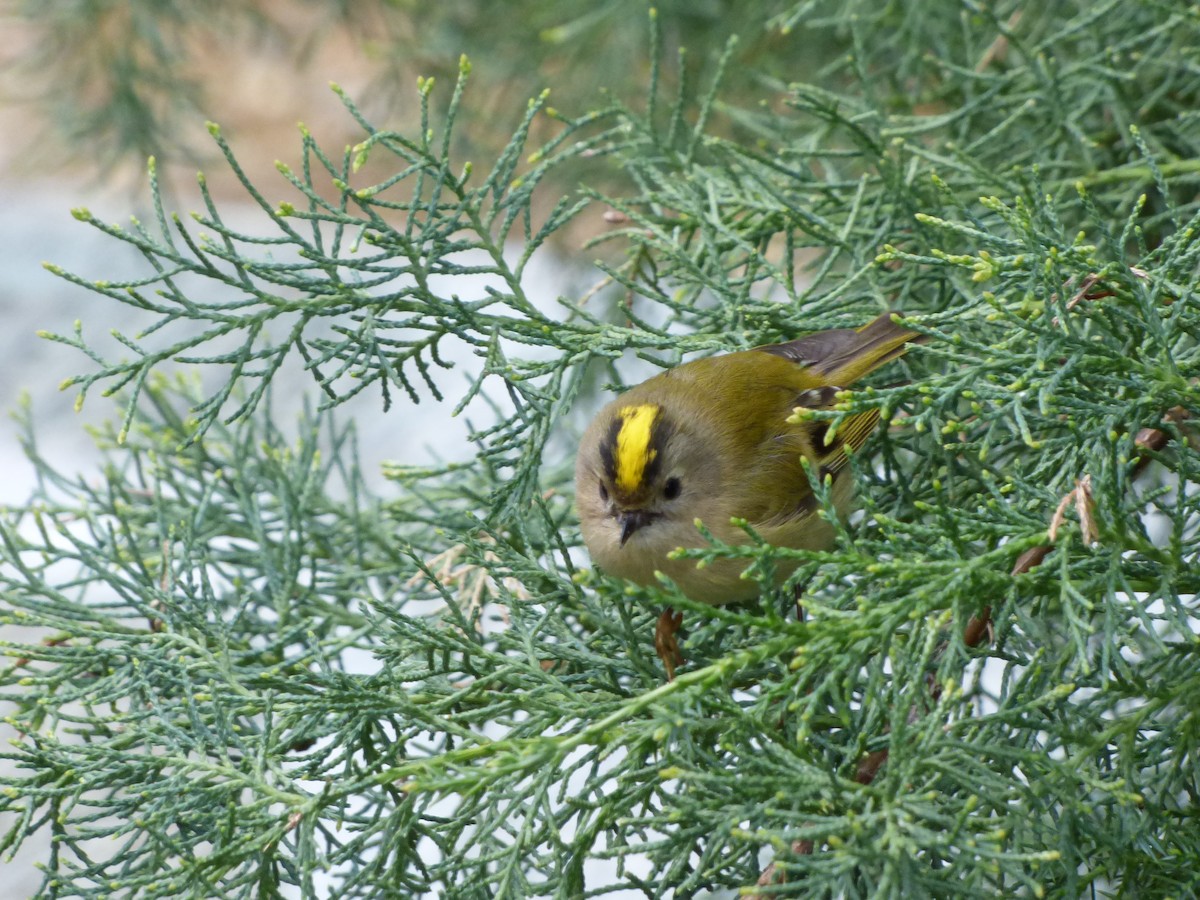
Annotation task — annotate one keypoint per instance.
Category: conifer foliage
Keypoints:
(995, 684)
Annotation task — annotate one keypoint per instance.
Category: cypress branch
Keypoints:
(993, 685)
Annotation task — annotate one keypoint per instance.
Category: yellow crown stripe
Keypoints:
(634, 452)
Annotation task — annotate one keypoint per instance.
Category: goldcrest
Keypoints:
(711, 440)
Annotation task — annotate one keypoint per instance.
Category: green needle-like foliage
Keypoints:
(238, 670)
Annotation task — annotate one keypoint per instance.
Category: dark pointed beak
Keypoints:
(631, 521)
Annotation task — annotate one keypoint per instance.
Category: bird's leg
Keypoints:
(664, 640)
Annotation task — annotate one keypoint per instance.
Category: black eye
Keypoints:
(603, 493)
(672, 488)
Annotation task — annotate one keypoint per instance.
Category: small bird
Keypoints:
(711, 440)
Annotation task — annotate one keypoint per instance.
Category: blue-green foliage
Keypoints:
(1021, 186)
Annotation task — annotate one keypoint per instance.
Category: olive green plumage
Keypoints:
(711, 440)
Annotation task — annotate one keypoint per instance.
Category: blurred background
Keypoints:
(85, 98)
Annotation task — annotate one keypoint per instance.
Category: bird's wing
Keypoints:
(843, 355)
(783, 484)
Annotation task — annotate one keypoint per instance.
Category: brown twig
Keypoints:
(1148, 440)
(666, 645)
(46, 642)
(1085, 291)
(998, 49)
(1081, 496)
